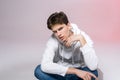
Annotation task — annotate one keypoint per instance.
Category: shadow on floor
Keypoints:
(100, 74)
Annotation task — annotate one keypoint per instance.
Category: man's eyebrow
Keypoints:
(60, 28)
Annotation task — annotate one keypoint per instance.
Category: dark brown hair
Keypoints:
(57, 18)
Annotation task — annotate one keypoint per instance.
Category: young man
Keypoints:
(69, 53)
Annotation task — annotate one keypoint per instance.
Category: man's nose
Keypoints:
(58, 33)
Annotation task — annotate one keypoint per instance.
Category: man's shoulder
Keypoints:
(52, 39)
(52, 42)
(73, 25)
(75, 28)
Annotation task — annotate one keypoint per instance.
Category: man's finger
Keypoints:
(93, 76)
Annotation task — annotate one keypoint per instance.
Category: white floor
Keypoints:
(18, 61)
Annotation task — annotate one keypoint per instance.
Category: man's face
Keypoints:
(61, 31)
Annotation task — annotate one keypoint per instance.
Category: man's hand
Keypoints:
(85, 75)
(82, 74)
(74, 38)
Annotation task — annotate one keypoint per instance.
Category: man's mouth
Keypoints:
(61, 38)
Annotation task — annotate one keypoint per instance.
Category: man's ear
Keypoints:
(69, 26)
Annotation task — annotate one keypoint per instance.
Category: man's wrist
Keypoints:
(82, 40)
(71, 71)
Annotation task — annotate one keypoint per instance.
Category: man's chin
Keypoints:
(62, 41)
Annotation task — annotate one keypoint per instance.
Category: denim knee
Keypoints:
(37, 71)
(39, 74)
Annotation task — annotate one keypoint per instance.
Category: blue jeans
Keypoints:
(39, 74)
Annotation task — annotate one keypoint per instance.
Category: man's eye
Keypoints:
(60, 28)
(54, 31)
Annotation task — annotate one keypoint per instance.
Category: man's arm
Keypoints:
(80, 73)
(88, 51)
(86, 47)
(47, 64)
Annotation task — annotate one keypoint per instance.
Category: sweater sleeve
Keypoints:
(90, 57)
(47, 64)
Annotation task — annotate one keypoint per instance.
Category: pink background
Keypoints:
(23, 33)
